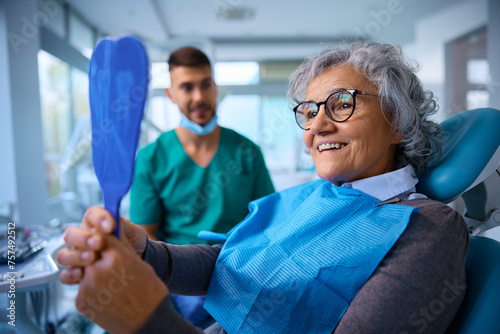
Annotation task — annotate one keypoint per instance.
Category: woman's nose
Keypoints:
(321, 122)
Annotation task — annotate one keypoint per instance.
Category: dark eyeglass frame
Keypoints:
(353, 93)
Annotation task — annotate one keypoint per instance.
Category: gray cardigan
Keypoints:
(418, 286)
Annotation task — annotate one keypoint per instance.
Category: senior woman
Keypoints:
(358, 251)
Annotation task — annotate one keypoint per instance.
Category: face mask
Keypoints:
(196, 128)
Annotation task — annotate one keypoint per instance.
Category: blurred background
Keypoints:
(46, 173)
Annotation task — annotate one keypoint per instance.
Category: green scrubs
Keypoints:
(170, 189)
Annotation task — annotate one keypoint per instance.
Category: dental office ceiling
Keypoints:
(258, 29)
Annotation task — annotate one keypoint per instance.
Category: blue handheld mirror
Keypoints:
(118, 83)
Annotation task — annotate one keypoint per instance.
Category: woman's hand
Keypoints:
(119, 291)
(85, 242)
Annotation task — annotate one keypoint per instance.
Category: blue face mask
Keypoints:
(196, 128)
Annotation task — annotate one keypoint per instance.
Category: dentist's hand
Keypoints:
(85, 242)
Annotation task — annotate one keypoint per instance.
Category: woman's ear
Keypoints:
(397, 137)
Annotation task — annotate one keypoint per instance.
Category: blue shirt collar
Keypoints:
(399, 183)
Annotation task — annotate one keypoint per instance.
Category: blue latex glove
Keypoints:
(191, 308)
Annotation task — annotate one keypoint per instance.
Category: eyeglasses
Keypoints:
(339, 106)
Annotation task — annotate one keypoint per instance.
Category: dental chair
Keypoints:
(469, 167)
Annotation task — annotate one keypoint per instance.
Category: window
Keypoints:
(66, 134)
(478, 71)
(241, 113)
(56, 118)
(467, 73)
(236, 73)
(477, 99)
(160, 77)
(63, 72)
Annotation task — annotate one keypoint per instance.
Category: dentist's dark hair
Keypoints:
(187, 56)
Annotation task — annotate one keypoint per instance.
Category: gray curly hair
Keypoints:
(401, 93)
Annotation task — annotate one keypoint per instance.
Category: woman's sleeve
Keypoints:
(166, 320)
(419, 285)
(186, 269)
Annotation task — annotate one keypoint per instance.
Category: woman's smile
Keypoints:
(330, 146)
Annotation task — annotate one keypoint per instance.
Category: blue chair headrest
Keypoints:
(470, 153)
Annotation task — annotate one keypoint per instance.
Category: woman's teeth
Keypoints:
(327, 146)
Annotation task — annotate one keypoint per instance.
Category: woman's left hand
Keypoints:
(85, 242)
(119, 291)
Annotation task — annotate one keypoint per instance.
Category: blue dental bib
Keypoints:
(295, 263)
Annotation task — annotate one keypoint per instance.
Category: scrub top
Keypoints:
(170, 189)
